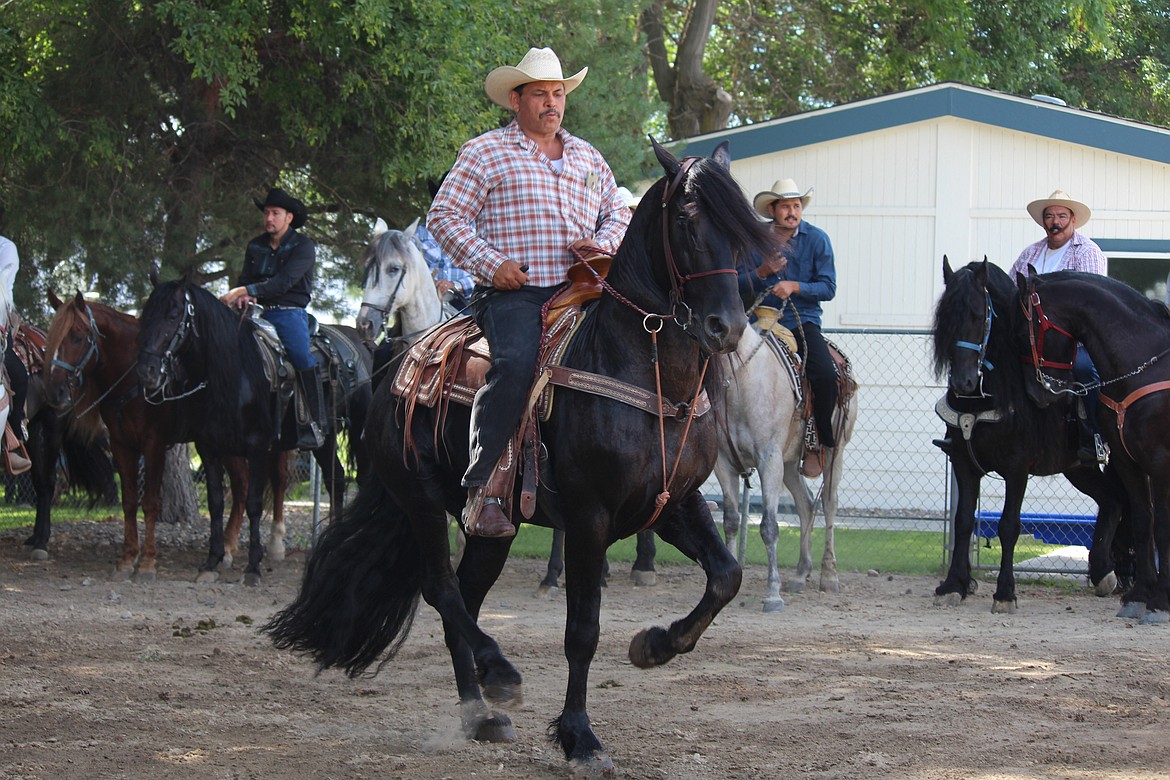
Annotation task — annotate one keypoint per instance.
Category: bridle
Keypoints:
(1038, 326)
(385, 310)
(981, 348)
(74, 372)
(167, 358)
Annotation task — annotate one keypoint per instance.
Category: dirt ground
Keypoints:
(105, 679)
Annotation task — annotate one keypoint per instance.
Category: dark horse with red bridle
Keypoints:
(670, 303)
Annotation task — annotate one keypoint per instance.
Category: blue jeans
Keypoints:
(292, 325)
(510, 319)
(1086, 373)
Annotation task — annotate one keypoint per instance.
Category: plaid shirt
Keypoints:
(1082, 255)
(502, 200)
(440, 264)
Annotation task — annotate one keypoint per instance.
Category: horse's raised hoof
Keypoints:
(38, 555)
(950, 599)
(497, 727)
(1132, 609)
(146, 577)
(774, 604)
(207, 577)
(506, 695)
(599, 765)
(1155, 617)
(1003, 607)
(1106, 586)
(642, 646)
(546, 592)
(252, 578)
(647, 579)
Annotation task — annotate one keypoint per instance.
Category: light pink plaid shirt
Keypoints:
(502, 200)
(1082, 255)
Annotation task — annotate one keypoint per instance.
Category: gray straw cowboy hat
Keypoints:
(281, 199)
(1059, 198)
(782, 189)
(537, 65)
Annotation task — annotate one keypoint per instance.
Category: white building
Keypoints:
(903, 179)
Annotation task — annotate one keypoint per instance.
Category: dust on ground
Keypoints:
(102, 678)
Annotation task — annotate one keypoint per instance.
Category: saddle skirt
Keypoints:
(781, 341)
(28, 342)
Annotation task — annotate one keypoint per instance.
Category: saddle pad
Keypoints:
(454, 355)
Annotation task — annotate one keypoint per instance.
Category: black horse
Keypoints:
(53, 442)
(1128, 337)
(612, 471)
(192, 345)
(995, 424)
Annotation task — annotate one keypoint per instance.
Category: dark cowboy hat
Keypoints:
(281, 199)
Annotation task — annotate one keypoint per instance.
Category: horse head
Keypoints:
(168, 327)
(963, 328)
(72, 346)
(696, 226)
(397, 284)
(1052, 347)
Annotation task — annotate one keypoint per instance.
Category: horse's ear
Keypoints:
(1022, 282)
(54, 301)
(380, 227)
(667, 160)
(409, 232)
(722, 155)
(153, 274)
(947, 272)
(79, 299)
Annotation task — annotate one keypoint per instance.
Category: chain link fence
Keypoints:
(896, 493)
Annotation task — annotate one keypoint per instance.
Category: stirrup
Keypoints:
(1102, 449)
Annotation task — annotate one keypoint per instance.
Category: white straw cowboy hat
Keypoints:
(781, 190)
(630, 199)
(1059, 198)
(537, 65)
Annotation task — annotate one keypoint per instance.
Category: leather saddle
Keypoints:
(28, 342)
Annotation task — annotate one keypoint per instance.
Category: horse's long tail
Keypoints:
(360, 590)
(89, 467)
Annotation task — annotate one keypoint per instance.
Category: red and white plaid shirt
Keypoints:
(1082, 254)
(502, 200)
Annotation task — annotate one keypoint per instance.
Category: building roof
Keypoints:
(998, 109)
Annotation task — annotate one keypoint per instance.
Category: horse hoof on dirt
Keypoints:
(951, 599)
(495, 728)
(252, 579)
(1133, 609)
(275, 550)
(38, 555)
(773, 604)
(1003, 607)
(794, 585)
(830, 585)
(145, 577)
(599, 765)
(122, 575)
(546, 592)
(642, 648)
(1106, 586)
(207, 577)
(646, 579)
(1155, 617)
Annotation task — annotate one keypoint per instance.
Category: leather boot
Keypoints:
(16, 459)
(484, 516)
(311, 434)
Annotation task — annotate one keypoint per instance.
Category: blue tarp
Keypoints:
(1048, 528)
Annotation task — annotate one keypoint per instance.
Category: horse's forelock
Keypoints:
(716, 197)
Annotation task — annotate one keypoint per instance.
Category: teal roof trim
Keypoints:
(1042, 119)
(1133, 244)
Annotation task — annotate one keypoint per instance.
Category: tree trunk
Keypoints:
(179, 500)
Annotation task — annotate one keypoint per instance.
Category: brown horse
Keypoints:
(94, 352)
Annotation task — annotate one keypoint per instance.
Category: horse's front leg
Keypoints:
(802, 497)
(1014, 485)
(690, 528)
(126, 461)
(556, 564)
(584, 562)
(958, 583)
(213, 474)
(643, 572)
(257, 473)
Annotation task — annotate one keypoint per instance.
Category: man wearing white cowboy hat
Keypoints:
(278, 274)
(1064, 248)
(796, 282)
(516, 204)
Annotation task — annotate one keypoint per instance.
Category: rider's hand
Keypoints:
(785, 289)
(510, 276)
(237, 297)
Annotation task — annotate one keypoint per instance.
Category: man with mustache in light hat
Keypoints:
(516, 203)
(1064, 248)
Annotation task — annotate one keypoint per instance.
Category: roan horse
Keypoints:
(93, 351)
(994, 424)
(765, 432)
(1128, 337)
(398, 288)
(193, 346)
(51, 435)
(600, 483)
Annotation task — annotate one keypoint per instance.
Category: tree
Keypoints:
(697, 103)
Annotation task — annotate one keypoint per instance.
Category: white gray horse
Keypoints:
(765, 432)
(398, 287)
